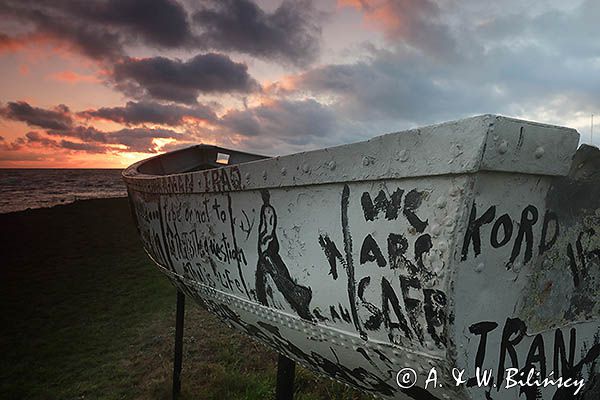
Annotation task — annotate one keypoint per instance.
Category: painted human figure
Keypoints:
(271, 264)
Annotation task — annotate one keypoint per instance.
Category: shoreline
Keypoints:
(62, 204)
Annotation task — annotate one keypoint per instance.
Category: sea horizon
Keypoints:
(32, 188)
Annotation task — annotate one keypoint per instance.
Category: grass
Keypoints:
(84, 315)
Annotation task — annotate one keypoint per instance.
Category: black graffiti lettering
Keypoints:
(529, 217)
(350, 260)
(219, 180)
(221, 214)
(563, 362)
(397, 246)
(332, 253)
(546, 244)
(536, 354)
(412, 202)
(206, 211)
(389, 297)
(412, 304)
(345, 313)
(505, 222)
(236, 178)
(473, 233)
(320, 317)
(216, 182)
(573, 265)
(413, 318)
(382, 204)
(376, 318)
(226, 185)
(516, 327)
(564, 366)
(422, 245)
(334, 314)
(580, 272)
(370, 251)
(435, 315)
(480, 329)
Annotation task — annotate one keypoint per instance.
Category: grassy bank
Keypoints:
(84, 315)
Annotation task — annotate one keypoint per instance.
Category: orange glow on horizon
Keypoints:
(73, 77)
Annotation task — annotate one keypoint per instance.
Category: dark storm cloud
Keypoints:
(44, 141)
(293, 122)
(133, 139)
(157, 23)
(102, 29)
(136, 113)
(183, 81)
(58, 123)
(290, 34)
(58, 118)
(53, 21)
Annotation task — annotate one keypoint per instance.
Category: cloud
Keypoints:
(43, 21)
(101, 29)
(158, 23)
(58, 118)
(416, 23)
(36, 139)
(105, 29)
(519, 65)
(131, 139)
(291, 34)
(282, 124)
(182, 81)
(9, 43)
(58, 123)
(136, 113)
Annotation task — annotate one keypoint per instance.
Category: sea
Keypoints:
(22, 189)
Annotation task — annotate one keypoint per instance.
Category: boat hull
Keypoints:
(378, 263)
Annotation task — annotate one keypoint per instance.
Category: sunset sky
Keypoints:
(105, 83)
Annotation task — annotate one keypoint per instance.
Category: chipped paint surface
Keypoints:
(445, 247)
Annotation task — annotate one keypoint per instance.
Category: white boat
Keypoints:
(394, 264)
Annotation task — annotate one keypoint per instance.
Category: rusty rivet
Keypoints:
(503, 147)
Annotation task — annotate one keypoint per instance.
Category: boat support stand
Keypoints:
(286, 368)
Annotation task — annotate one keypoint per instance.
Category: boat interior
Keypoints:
(195, 158)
